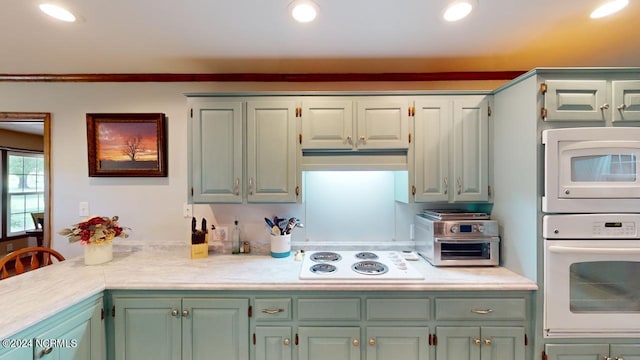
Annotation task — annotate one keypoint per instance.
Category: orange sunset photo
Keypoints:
(127, 145)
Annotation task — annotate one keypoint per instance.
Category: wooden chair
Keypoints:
(40, 256)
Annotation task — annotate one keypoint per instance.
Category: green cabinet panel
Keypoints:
(20, 353)
(329, 309)
(335, 343)
(216, 150)
(271, 151)
(576, 351)
(625, 351)
(575, 100)
(273, 343)
(398, 309)
(215, 329)
(273, 309)
(480, 343)
(181, 328)
(458, 343)
(626, 100)
(327, 123)
(148, 328)
(481, 309)
(383, 123)
(451, 149)
(592, 351)
(392, 343)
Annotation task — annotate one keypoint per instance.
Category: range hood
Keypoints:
(387, 159)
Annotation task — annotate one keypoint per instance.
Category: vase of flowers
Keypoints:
(96, 234)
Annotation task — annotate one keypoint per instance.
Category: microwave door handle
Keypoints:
(596, 251)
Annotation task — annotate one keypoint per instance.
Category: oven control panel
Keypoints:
(591, 226)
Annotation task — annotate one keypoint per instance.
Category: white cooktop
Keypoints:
(397, 268)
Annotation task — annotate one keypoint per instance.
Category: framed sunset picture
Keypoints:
(127, 145)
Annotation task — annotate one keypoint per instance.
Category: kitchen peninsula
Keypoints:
(260, 282)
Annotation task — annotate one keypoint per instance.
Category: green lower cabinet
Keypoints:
(592, 352)
(480, 343)
(177, 328)
(322, 343)
(21, 353)
(392, 343)
(273, 343)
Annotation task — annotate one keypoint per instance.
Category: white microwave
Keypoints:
(591, 170)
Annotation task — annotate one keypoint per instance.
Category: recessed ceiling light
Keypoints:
(458, 10)
(303, 10)
(57, 12)
(609, 8)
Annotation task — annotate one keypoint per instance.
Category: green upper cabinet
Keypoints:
(327, 124)
(339, 123)
(451, 149)
(216, 150)
(589, 100)
(271, 151)
(626, 100)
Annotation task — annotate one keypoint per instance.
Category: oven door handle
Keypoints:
(597, 251)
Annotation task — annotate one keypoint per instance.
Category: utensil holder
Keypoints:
(280, 245)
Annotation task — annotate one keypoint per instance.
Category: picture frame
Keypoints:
(127, 144)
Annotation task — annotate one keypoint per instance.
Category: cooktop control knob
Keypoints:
(480, 228)
(454, 229)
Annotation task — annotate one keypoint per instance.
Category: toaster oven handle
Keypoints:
(597, 251)
(466, 240)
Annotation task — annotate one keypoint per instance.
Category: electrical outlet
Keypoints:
(83, 208)
(187, 210)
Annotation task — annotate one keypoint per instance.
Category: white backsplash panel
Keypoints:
(350, 206)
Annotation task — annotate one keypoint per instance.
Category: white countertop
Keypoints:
(32, 297)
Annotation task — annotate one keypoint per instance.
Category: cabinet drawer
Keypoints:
(478, 308)
(329, 309)
(273, 309)
(398, 309)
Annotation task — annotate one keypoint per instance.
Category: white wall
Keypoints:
(152, 207)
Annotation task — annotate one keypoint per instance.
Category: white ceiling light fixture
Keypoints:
(458, 10)
(609, 8)
(303, 10)
(58, 12)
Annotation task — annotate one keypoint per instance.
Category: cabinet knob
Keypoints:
(487, 342)
(236, 186)
(287, 341)
(619, 358)
(362, 139)
(251, 186)
(356, 342)
(622, 108)
(349, 140)
(372, 342)
(604, 106)
(477, 342)
(47, 350)
(174, 312)
(185, 313)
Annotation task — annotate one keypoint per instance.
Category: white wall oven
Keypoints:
(592, 170)
(591, 275)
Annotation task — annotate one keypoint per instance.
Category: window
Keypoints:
(25, 190)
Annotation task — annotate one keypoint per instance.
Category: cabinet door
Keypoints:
(576, 351)
(470, 175)
(392, 343)
(327, 124)
(20, 353)
(576, 100)
(215, 329)
(147, 328)
(383, 124)
(335, 343)
(216, 151)
(271, 151)
(79, 337)
(432, 128)
(458, 343)
(626, 100)
(502, 343)
(273, 343)
(625, 351)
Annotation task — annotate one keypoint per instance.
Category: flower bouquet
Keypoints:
(96, 230)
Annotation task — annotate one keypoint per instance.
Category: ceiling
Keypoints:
(353, 36)
(33, 128)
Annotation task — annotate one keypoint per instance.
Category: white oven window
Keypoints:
(603, 168)
(604, 286)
